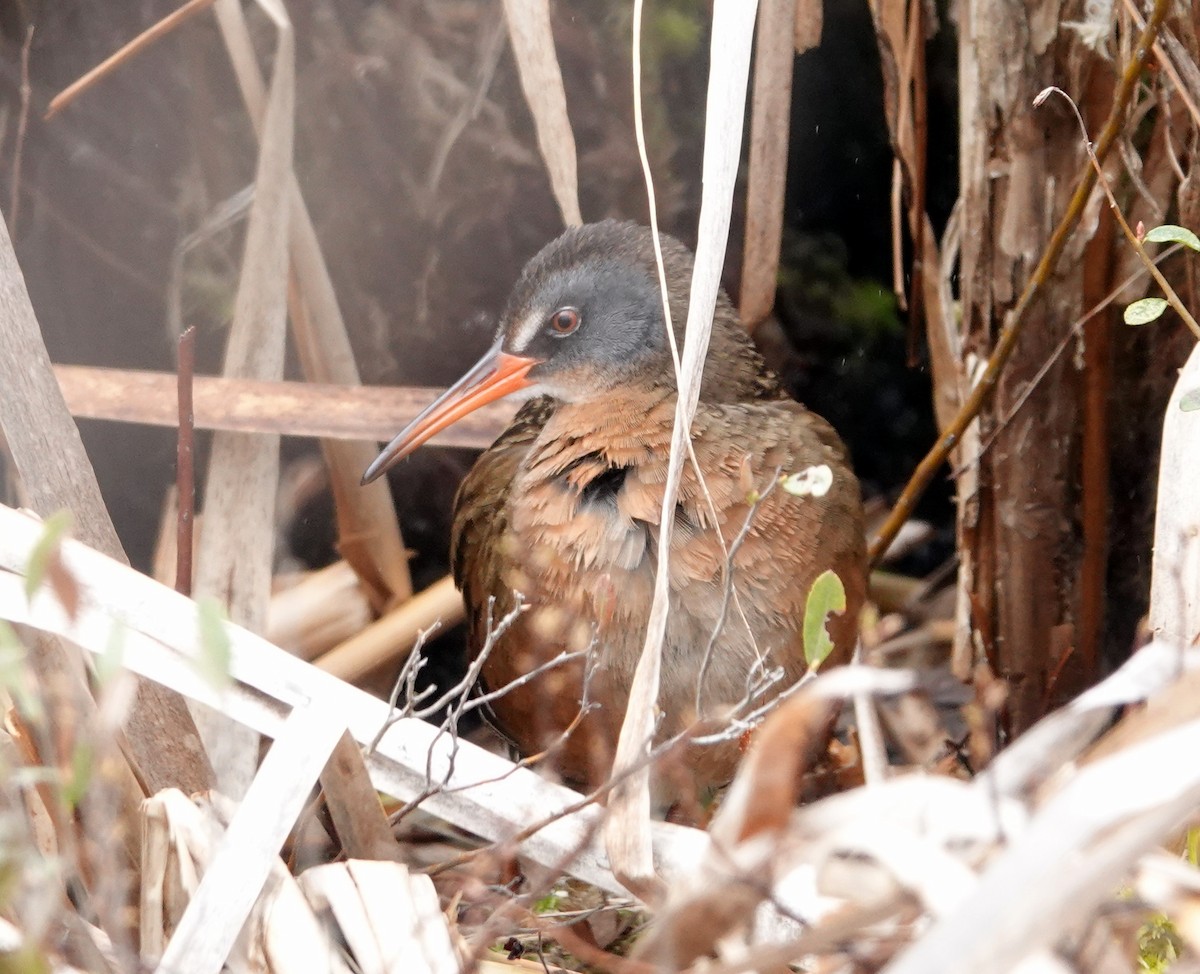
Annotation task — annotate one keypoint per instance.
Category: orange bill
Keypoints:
(493, 377)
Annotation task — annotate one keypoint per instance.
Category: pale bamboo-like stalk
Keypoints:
(627, 831)
(322, 609)
(389, 639)
(234, 558)
(541, 80)
(161, 641)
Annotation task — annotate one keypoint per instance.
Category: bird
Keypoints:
(556, 527)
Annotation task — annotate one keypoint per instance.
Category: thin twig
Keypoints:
(1054, 356)
(114, 61)
(562, 658)
(185, 476)
(983, 389)
(492, 47)
(1134, 241)
(406, 683)
(586, 706)
(727, 588)
(1167, 62)
(459, 699)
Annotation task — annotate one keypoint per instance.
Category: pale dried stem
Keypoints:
(114, 61)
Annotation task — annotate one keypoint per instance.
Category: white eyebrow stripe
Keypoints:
(526, 333)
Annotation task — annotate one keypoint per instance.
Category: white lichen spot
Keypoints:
(813, 481)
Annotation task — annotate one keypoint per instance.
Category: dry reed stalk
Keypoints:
(56, 473)
(234, 558)
(367, 413)
(388, 640)
(368, 530)
(185, 471)
(322, 610)
(627, 829)
(114, 61)
(250, 845)
(385, 914)
(180, 840)
(770, 129)
(541, 79)
(354, 806)
(163, 561)
(483, 793)
(1175, 568)
(810, 20)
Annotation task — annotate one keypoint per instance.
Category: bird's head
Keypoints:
(585, 318)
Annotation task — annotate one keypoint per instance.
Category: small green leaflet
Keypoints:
(1169, 233)
(827, 596)
(1189, 402)
(215, 653)
(1144, 311)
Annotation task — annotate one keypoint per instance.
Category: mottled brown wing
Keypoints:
(481, 514)
(485, 557)
(791, 540)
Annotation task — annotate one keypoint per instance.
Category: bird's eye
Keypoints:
(564, 322)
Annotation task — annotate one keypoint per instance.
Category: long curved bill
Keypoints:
(493, 377)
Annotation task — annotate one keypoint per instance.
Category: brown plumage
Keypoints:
(564, 508)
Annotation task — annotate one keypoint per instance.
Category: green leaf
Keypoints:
(827, 596)
(215, 652)
(552, 902)
(1144, 311)
(1190, 401)
(1169, 233)
(53, 529)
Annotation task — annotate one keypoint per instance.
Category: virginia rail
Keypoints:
(564, 508)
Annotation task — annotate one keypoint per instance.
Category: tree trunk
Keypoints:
(1035, 469)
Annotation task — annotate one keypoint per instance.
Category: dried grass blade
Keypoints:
(1175, 567)
(384, 913)
(390, 639)
(627, 831)
(235, 554)
(368, 531)
(278, 793)
(485, 794)
(533, 47)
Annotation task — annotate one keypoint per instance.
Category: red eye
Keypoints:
(564, 321)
